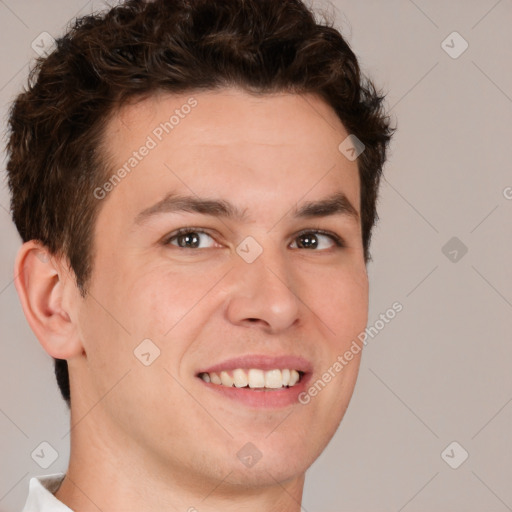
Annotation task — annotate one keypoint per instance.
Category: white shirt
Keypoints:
(40, 494)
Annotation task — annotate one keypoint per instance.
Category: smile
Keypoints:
(257, 380)
(254, 378)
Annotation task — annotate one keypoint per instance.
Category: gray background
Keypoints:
(440, 371)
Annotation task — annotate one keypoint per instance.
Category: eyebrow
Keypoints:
(336, 204)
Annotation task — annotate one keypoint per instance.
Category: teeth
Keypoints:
(215, 379)
(226, 379)
(240, 378)
(294, 377)
(254, 378)
(273, 379)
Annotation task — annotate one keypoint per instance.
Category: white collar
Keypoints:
(40, 494)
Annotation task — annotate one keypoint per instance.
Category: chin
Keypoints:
(265, 462)
(267, 474)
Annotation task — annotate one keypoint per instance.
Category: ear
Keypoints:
(49, 298)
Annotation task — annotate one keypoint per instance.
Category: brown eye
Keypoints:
(313, 240)
(187, 238)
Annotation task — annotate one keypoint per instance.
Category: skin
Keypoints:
(154, 437)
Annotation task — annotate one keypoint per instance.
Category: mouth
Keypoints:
(254, 378)
(257, 380)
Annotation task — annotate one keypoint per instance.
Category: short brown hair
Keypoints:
(138, 48)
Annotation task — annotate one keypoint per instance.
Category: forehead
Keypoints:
(227, 117)
(229, 143)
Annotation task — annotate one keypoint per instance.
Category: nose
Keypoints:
(263, 293)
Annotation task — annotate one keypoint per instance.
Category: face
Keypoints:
(262, 284)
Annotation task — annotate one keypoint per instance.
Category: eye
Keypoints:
(312, 239)
(188, 238)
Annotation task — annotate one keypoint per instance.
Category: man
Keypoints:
(195, 186)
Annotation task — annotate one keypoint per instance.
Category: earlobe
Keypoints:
(41, 282)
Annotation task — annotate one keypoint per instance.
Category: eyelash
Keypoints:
(338, 241)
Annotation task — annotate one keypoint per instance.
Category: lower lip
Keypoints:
(262, 397)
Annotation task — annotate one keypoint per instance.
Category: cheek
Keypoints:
(168, 303)
(167, 299)
(116, 318)
(341, 300)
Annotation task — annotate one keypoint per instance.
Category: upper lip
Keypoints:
(263, 362)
